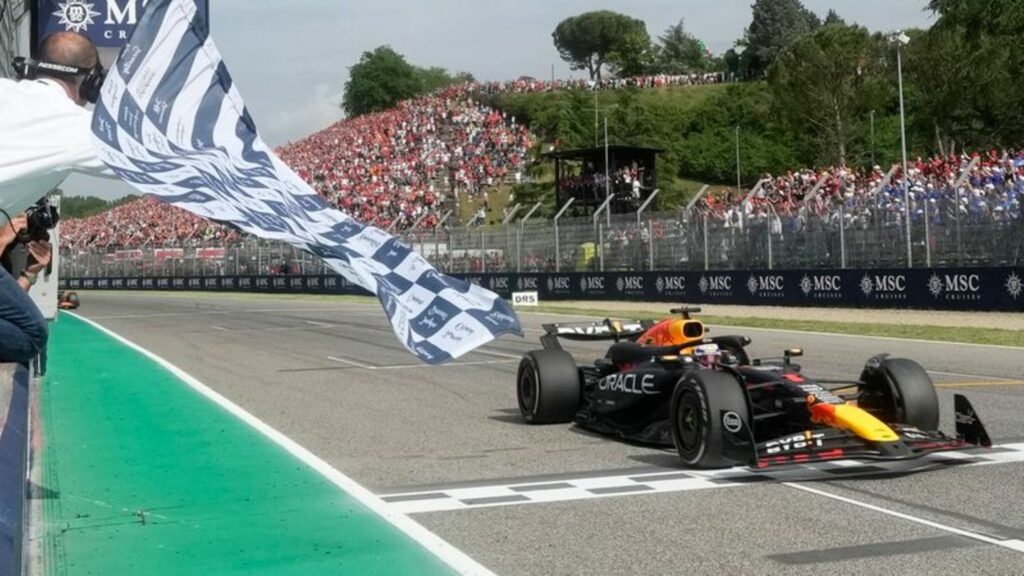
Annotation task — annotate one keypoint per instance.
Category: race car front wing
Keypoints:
(823, 444)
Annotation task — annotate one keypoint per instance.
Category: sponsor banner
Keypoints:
(162, 254)
(210, 253)
(108, 23)
(938, 289)
(122, 255)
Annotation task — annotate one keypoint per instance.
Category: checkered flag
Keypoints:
(172, 124)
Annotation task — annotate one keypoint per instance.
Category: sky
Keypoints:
(290, 58)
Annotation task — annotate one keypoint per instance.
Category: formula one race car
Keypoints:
(68, 300)
(668, 383)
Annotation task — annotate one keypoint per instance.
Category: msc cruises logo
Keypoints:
(592, 284)
(1014, 285)
(558, 284)
(671, 284)
(821, 286)
(768, 286)
(955, 286)
(720, 284)
(630, 284)
(884, 286)
(76, 15)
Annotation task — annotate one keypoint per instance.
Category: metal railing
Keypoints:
(837, 237)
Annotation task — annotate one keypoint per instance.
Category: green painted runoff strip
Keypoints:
(142, 475)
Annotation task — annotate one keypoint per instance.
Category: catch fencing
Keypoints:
(838, 239)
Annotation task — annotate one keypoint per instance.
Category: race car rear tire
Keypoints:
(900, 391)
(548, 387)
(700, 402)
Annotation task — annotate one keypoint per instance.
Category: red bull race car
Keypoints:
(669, 383)
(68, 300)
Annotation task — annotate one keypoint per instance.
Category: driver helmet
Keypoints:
(707, 354)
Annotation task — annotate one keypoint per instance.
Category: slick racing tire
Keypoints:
(548, 387)
(899, 391)
(703, 404)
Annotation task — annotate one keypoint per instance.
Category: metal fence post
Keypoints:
(746, 200)
(483, 252)
(693, 201)
(650, 245)
(558, 251)
(959, 183)
(600, 245)
(842, 237)
(519, 235)
(451, 251)
(706, 267)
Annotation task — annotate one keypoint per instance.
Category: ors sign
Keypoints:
(108, 23)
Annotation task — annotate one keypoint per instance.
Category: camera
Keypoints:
(42, 217)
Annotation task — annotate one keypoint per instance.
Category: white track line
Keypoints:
(1012, 544)
(320, 324)
(445, 365)
(449, 554)
(351, 363)
(564, 489)
(498, 354)
(417, 366)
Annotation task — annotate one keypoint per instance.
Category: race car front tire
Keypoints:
(899, 391)
(548, 387)
(701, 402)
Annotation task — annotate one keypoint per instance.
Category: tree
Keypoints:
(85, 206)
(975, 18)
(833, 17)
(775, 25)
(380, 80)
(680, 52)
(827, 81)
(966, 68)
(593, 39)
(435, 78)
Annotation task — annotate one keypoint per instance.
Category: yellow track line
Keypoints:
(980, 383)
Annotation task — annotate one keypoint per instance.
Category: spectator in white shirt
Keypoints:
(44, 136)
(45, 129)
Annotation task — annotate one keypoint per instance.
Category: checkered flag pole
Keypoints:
(172, 124)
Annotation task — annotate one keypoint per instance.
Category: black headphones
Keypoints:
(91, 83)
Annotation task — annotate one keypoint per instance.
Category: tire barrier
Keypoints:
(930, 289)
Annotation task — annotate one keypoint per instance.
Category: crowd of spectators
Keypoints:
(990, 193)
(409, 162)
(625, 184)
(526, 84)
(397, 167)
(144, 222)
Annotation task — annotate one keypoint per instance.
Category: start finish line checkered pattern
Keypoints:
(679, 480)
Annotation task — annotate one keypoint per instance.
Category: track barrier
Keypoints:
(980, 289)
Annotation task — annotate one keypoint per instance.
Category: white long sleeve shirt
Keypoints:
(44, 137)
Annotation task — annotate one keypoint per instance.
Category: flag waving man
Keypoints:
(171, 122)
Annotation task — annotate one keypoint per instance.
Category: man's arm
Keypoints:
(41, 252)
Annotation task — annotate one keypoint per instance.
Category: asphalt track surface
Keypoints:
(332, 377)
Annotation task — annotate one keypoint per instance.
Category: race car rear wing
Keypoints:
(594, 331)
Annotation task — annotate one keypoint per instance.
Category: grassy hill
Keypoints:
(694, 124)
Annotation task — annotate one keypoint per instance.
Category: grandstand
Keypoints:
(406, 168)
